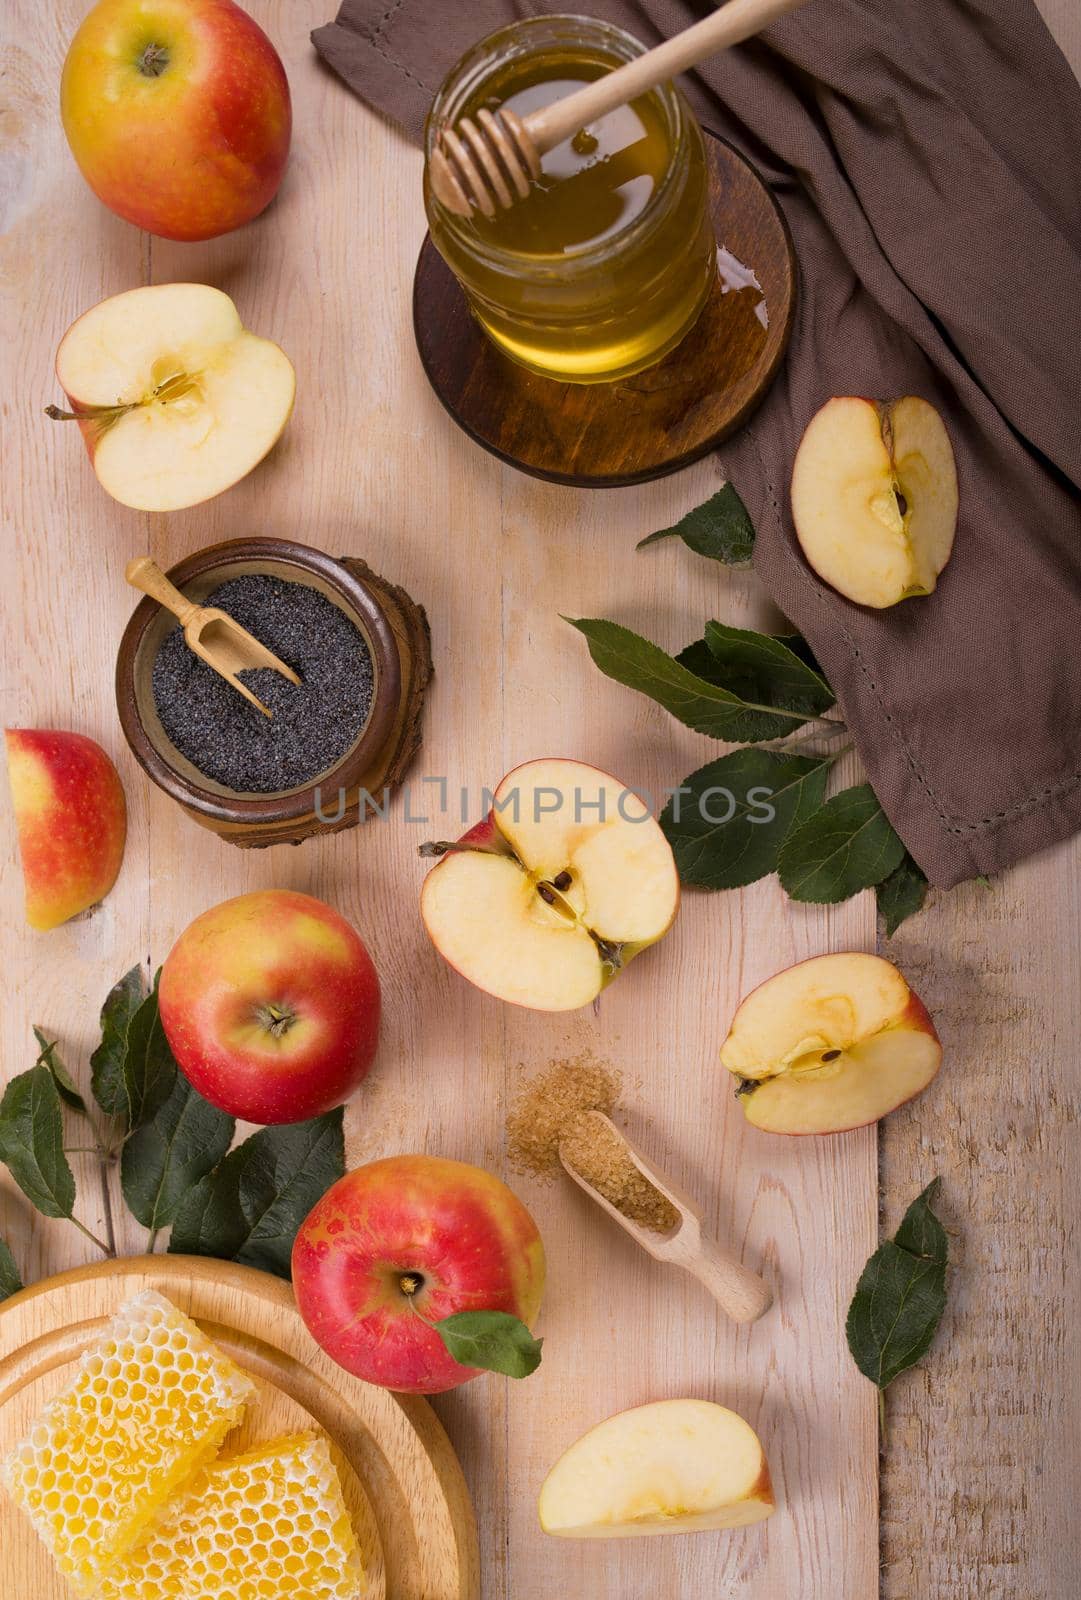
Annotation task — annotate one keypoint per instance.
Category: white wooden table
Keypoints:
(980, 1477)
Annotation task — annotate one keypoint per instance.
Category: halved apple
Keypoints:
(874, 498)
(830, 1044)
(545, 902)
(175, 399)
(676, 1466)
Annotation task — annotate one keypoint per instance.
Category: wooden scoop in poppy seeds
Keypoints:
(209, 632)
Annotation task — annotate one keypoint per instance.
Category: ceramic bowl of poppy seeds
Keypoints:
(330, 740)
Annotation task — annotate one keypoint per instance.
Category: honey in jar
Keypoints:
(606, 264)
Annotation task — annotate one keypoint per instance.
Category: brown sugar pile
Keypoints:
(553, 1110)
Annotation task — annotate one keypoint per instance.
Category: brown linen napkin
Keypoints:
(927, 154)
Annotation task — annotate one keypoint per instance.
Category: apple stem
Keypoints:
(411, 1283)
(173, 388)
(444, 847)
(882, 1418)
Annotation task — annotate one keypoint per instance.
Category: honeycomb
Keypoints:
(149, 1405)
(267, 1525)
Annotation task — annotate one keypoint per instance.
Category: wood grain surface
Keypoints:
(980, 1479)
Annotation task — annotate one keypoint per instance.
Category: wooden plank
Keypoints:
(983, 1454)
(979, 1483)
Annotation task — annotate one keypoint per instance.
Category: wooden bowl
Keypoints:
(395, 631)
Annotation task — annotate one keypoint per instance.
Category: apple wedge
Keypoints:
(676, 1466)
(830, 1044)
(71, 819)
(175, 399)
(543, 904)
(874, 498)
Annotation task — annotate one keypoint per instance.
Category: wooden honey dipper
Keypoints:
(491, 162)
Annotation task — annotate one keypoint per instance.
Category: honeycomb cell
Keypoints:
(96, 1468)
(199, 1549)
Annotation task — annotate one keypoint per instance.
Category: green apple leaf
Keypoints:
(901, 895)
(704, 705)
(799, 647)
(65, 1084)
(107, 1061)
(170, 1152)
(10, 1282)
(761, 666)
(846, 846)
(901, 1295)
(32, 1142)
(727, 821)
(719, 528)
(249, 1210)
(493, 1340)
(133, 1070)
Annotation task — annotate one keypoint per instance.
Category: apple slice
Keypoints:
(71, 819)
(569, 878)
(176, 401)
(830, 1044)
(874, 498)
(676, 1466)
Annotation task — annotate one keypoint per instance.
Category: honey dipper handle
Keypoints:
(737, 20)
(737, 1290)
(145, 574)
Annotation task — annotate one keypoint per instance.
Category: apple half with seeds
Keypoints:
(547, 900)
(874, 498)
(174, 398)
(676, 1466)
(830, 1044)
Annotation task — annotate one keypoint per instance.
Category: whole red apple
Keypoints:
(71, 819)
(270, 1003)
(402, 1243)
(178, 114)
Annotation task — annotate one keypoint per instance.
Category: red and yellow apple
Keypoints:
(676, 1466)
(174, 398)
(178, 114)
(545, 902)
(71, 820)
(830, 1044)
(874, 498)
(271, 1005)
(402, 1243)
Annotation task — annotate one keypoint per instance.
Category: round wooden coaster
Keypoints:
(607, 434)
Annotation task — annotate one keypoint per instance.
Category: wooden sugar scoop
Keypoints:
(209, 632)
(739, 1292)
(490, 163)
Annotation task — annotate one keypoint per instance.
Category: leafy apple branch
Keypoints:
(177, 1169)
(767, 693)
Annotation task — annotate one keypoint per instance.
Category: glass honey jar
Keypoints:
(607, 263)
